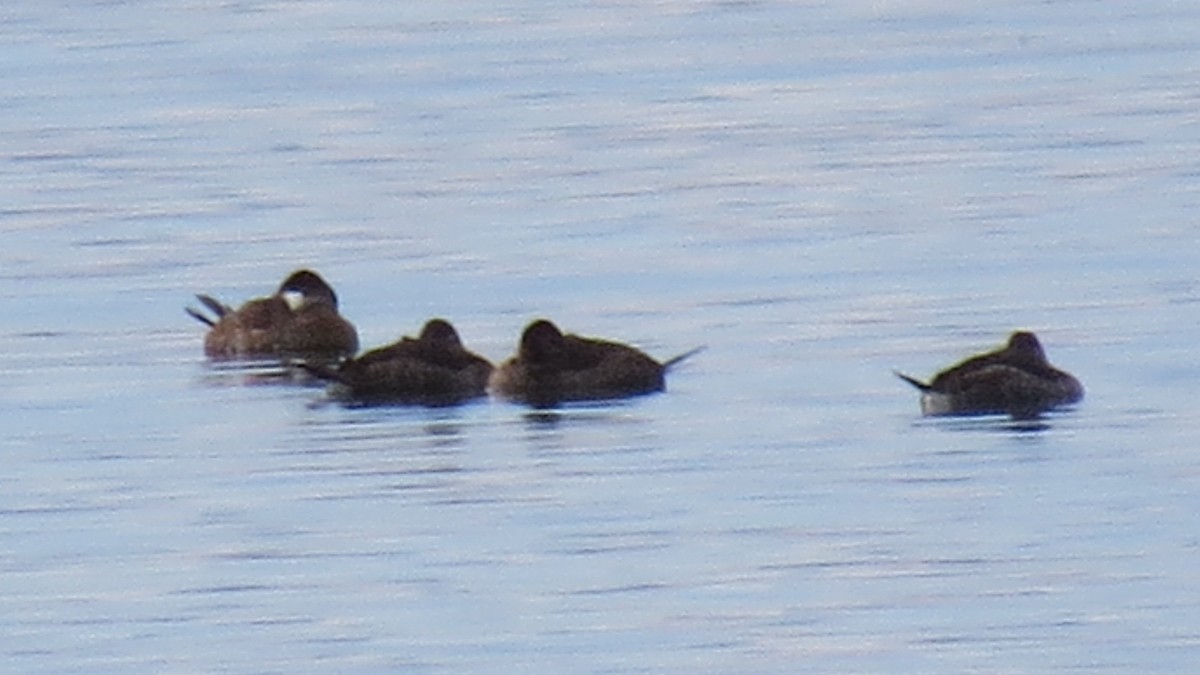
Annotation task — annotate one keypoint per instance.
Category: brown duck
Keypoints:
(551, 367)
(431, 369)
(301, 319)
(1017, 380)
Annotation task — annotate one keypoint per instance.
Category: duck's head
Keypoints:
(305, 287)
(541, 342)
(1025, 345)
(438, 333)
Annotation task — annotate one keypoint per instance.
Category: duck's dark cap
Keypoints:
(540, 341)
(439, 330)
(309, 284)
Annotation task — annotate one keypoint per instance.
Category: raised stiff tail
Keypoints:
(911, 380)
(682, 357)
(321, 371)
(195, 314)
(213, 305)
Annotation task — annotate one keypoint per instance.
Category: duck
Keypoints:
(1016, 379)
(432, 369)
(301, 319)
(551, 367)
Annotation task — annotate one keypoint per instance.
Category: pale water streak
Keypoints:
(820, 193)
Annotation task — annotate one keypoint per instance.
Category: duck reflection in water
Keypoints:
(1016, 380)
(300, 320)
(550, 367)
(432, 369)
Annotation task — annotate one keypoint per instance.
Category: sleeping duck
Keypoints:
(432, 369)
(550, 367)
(301, 319)
(1016, 379)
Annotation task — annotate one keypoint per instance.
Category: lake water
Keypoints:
(820, 192)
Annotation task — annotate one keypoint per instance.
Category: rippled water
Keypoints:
(819, 192)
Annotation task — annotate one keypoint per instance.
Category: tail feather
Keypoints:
(912, 380)
(321, 371)
(214, 305)
(682, 357)
(195, 314)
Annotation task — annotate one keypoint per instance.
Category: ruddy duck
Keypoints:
(551, 367)
(1017, 380)
(300, 319)
(432, 369)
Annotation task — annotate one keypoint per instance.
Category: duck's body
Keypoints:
(432, 369)
(273, 327)
(1016, 380)
(551, 367)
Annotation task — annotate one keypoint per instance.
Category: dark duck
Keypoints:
(551, 367)
(432, 369)
(1016, 379)
(300, 320)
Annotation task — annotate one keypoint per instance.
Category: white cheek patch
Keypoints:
(294, 299)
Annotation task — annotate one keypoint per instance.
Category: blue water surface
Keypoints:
(819, 193)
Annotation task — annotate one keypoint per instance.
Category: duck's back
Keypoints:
(1001, 388)
(414, 380)
(254, 329)
(416, 371)
(584, 369)
(605, 369)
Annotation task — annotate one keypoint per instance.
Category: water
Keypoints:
(820, 193)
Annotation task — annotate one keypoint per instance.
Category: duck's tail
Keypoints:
(674, 360)
(195, 314)
(213, 305)
(912, 380)
(321, 371)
